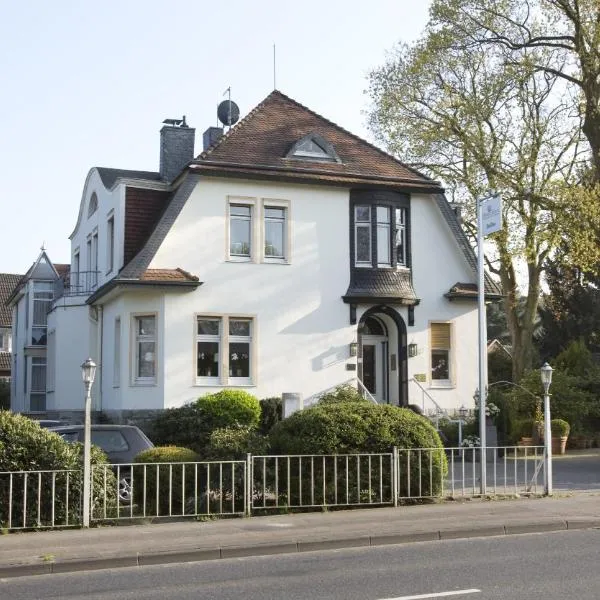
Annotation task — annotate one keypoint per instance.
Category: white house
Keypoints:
(290, 256)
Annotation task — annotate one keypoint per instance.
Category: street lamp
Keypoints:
(88, 372)
(546, 375)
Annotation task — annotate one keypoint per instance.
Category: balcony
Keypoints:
(81, 283)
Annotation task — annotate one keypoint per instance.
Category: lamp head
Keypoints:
(546, 375)
(88, 371)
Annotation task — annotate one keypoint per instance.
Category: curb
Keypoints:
(142, 559)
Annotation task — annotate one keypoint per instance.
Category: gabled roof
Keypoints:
(262, 141)
(8, 283)
(5, 362)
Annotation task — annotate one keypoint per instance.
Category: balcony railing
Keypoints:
(81, 283)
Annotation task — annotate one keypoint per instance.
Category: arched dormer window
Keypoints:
(93, 206)
(314, 147)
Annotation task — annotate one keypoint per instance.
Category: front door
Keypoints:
(375, 375)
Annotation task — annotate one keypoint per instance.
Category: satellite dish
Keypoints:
(228, 112)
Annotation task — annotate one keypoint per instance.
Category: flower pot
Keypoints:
(559, 444)
(526, 441)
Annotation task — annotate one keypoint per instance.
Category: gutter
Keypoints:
(114, 283)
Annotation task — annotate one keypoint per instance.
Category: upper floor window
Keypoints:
(380, 236)
(362, 235)
(275, 232)
(110, 244)
(93, 205)
(5, 341)
(240, 230)
(43, 293)
(314, 147)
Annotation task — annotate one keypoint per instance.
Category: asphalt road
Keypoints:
(552, 566)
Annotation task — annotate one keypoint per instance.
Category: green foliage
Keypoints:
(233, 443)
(560, 427)
(229, 408)
(174, 482)
(271, 412)
(342, 393)
(4, 395)
(576, 360)
(25, 446)
(499, 366)
(360, 427)
(190, 426)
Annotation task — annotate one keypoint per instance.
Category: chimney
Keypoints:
(176, 147)
(211, 135)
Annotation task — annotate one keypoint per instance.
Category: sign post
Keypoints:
(489, 220)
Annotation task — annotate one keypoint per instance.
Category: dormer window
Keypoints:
(93, 206)
(314, 147)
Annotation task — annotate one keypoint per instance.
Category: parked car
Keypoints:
(48, 423)
(121, 443)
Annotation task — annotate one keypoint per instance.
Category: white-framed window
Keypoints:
(275, 232)
(362, 236)
(384, 246)
(240, 350)
(43, 292)
(51, 361)
(441, 353)
(224, 350)
(400, 236)
(110, 244)
(240, 231)
(94, 269)
(74, 276)
(117, 354)
(145, 349)
(5, 340)
(37, 388)
(208, 349)
(93, 206)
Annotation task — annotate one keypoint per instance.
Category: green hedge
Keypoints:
(229, 408)
(168, 478)
(25, 446)
(271, 412)
(342, 393)
(363, 427)
(234, 443)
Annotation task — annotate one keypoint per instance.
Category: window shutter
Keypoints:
(440, 336)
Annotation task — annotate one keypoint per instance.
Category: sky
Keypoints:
(87, 84)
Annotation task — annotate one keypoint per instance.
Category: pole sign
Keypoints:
(491, 214)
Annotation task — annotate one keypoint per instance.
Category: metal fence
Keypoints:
(40, 499)
(46, 499)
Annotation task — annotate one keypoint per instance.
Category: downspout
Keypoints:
(100, 360)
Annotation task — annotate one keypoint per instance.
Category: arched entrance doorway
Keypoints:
(382, 355)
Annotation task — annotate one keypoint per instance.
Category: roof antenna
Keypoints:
(274, 69)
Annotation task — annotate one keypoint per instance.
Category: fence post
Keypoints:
(395, 475)
(249, 486)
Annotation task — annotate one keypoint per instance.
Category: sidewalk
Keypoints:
(139, 545)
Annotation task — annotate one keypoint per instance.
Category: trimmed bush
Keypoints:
(342, 393)
(190, 426)
(175, 482)
(25, 446)
(229, 408)
(271, 412)
(560, 427)
(363, 427)
(233, 443)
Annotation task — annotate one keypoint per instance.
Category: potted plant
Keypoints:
(560, 432)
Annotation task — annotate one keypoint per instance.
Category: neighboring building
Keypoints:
(30, 301)
(8, 282)
(289, 256)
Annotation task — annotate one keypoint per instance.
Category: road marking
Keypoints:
(436, 595)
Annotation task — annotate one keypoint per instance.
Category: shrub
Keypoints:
(233, 443)
(4, 395)
(190, 426)
(25, 446)
(560, 427)
(342, 393)
(363, 427)
(271, 412)
(175, 482)
(229, 408)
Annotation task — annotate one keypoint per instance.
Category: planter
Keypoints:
(526, 441)
(559, 444)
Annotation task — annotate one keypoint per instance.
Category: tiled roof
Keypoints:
(110, 176)
(62, 269)
(468, 290)
(389, 284)
(167, 275)
(265, 136)
(5, 362)
(8, 282)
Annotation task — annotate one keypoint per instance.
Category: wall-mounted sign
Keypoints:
(350, 367)
(420, 377)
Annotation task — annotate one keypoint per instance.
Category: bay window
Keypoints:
(145, 349)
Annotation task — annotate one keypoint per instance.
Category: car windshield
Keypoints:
(70, 436)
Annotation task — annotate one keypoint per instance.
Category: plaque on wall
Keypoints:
(420, 377)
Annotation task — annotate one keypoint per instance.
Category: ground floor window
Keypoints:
(145, 349)
(440, 353)
(37, 391)
(224, 352)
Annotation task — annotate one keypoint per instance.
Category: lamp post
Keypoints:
(463, 411)
(88, 372)
(546, 375)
